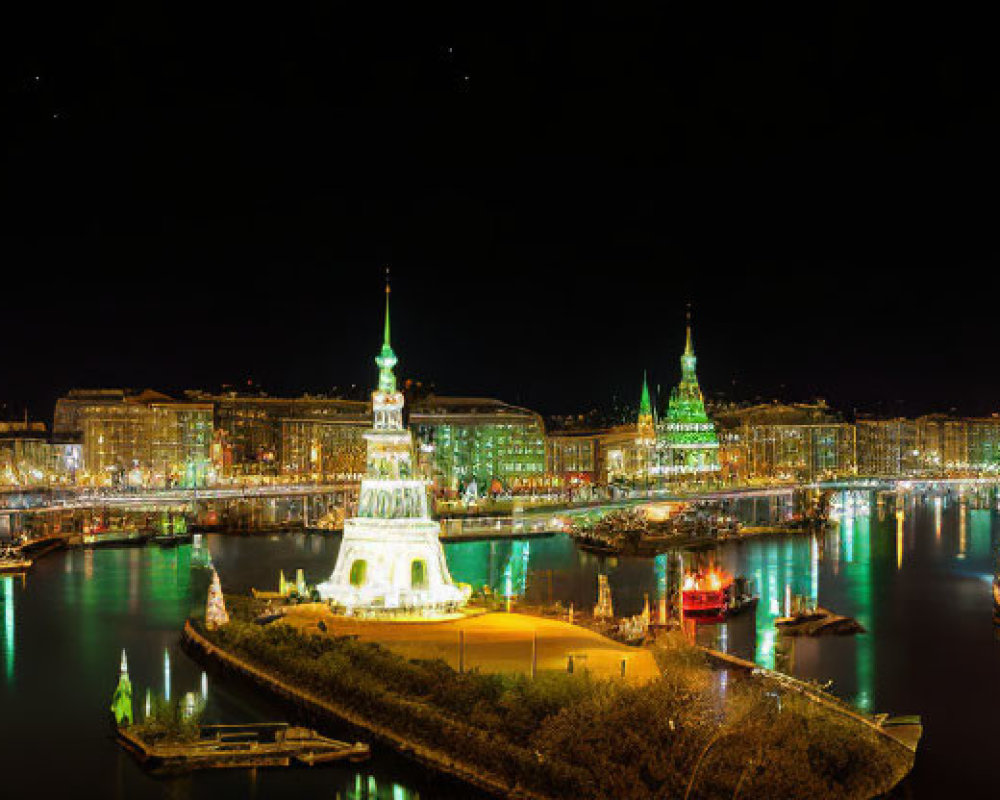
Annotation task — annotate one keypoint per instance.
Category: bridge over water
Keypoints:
(241, 507)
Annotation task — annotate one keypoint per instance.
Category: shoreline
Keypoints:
(490, 783)
(829, 702)
(426, 756)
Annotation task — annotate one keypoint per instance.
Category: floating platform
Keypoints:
(819, 622)
(271, 744)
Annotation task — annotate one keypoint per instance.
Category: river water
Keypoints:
(914, 570)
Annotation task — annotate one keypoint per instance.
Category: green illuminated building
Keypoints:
(686, 440)
(461, 439)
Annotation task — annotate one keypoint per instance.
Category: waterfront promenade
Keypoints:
(298, 506)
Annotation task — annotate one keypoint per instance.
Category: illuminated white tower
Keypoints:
(390, 557)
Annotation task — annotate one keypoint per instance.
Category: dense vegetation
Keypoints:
(573, 736)
(170, 721)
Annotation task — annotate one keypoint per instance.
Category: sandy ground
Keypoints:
(494, 642)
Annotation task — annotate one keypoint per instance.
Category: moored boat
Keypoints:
(14, 561)
(122, 537)
(173, 530)
(712, 595)
(706, 594)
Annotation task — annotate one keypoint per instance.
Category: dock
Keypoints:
(14, 565)
(270, 744)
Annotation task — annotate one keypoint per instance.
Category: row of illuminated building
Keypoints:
(805, 444)
(118, 438)
(932, 445)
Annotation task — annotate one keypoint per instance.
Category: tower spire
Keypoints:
(688, 347)
(646, 423)
(386, 359)
(645, 406)
(385, 340)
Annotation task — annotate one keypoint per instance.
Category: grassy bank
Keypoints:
(571, 736)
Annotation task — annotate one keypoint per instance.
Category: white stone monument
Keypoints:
(391, 558)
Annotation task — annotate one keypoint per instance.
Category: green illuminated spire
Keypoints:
(688, 360)
(386, 359)
(646, 426)
(686, 403)
(689, 442)
(645, 406)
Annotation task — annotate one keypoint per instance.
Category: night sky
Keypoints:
(201, 193)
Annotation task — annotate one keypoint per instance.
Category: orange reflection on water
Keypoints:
(899, 538)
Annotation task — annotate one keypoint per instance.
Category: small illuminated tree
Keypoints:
(215, 607)
(121, 701)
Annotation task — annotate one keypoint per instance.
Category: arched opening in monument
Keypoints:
(359, 571)
(418, 574)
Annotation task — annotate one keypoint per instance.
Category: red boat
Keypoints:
(712, 595)
(707, 594)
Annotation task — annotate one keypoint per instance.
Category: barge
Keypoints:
(271, 744)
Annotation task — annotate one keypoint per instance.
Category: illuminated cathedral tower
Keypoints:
(687, 442)
(645, 441)
(390, 557)
(646, 422)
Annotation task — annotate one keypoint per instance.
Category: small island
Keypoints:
(678, 732)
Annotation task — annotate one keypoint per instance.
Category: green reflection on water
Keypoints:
(980, 523)
(366, 787)
(501, 565)
(8, 627)
(857, 572)
(780, 571)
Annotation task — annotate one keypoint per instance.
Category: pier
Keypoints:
(271, 744)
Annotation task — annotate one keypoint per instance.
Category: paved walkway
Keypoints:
(494, 642)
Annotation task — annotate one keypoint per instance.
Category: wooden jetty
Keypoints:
(270, 744)
(43, 545)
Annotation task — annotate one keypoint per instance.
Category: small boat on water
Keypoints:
(122, 537)
(712, 595)
(172, 531)
(13, 560)
(818, 622)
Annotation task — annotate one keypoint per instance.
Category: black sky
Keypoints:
(198, 193)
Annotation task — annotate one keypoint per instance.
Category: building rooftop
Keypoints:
(433, 405)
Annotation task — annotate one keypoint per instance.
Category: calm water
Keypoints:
(919, 581)
(61, 637)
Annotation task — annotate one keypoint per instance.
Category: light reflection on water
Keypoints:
(8, 626)
(921, 591)
(63, 630)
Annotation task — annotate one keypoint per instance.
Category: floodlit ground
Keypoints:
(494, 642)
